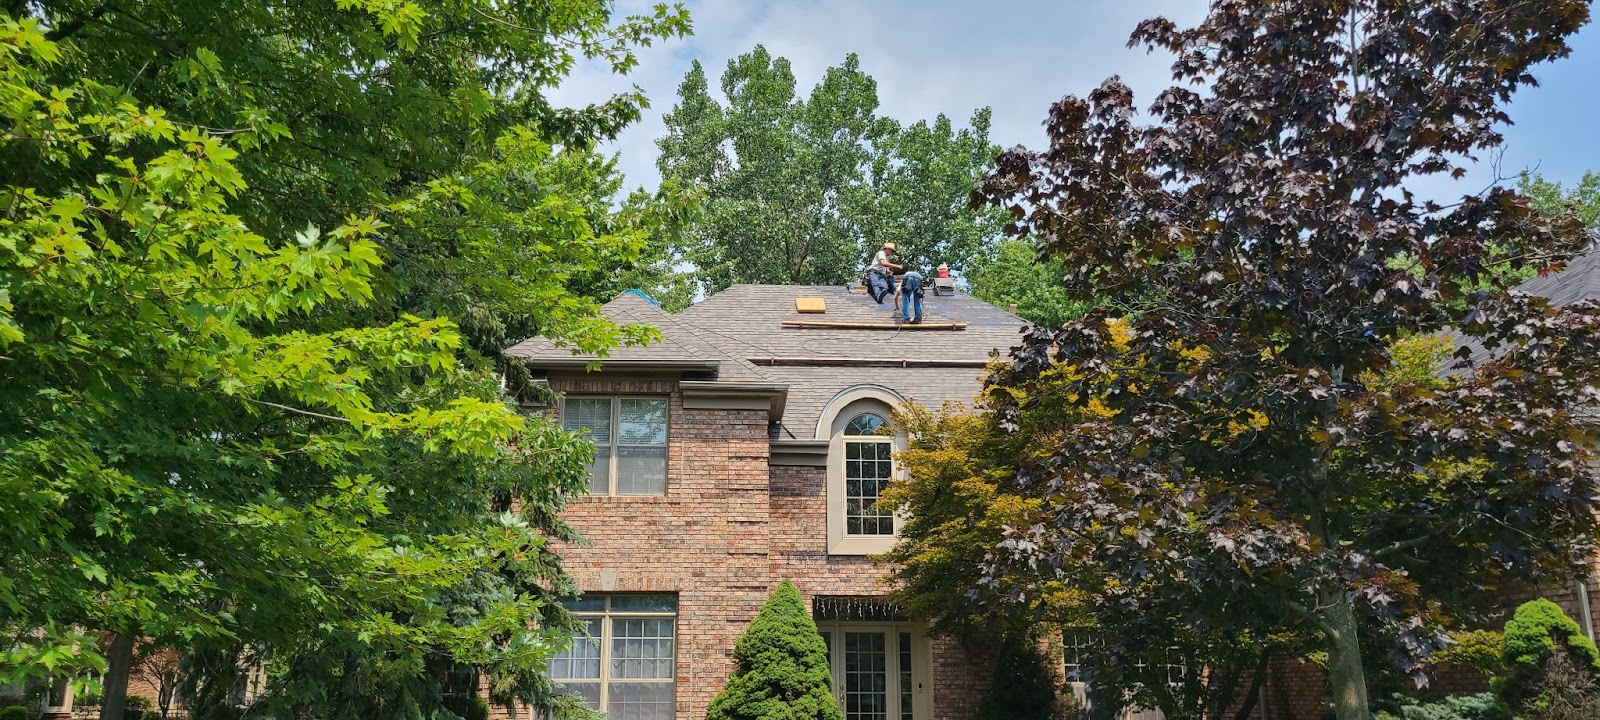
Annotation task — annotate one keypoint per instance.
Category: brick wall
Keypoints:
(960, 671)
(729, 529)
(706, 540)
(1294, 690)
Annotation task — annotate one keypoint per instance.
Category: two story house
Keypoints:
(742, 449)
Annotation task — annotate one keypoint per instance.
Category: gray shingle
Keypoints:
(751, 316)
(677, 342)
(1579, 280)
(811, 387)
(742, 329)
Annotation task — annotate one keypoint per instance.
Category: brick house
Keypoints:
(741, 450)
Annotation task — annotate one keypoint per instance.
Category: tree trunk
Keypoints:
(114, 691)
(1346, 681)
(1253, 695)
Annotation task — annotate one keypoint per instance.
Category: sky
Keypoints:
(1018, 57)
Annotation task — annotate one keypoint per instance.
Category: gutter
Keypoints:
(804, 453)
(583, 363)
(732, 388)
(714, 395)
(869, 362)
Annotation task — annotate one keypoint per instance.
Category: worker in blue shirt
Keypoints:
(910, 296)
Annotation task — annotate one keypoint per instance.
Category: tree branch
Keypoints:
(1400, 546)
(71, 27)
(298, 411)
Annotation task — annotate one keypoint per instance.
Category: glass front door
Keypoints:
(878, 671)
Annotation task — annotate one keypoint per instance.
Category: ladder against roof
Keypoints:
(831, 325)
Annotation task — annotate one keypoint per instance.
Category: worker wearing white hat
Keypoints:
(880, 275)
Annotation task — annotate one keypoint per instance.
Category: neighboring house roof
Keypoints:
(1578, 281)
(740, 332)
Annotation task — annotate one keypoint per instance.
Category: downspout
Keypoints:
(1583, 604)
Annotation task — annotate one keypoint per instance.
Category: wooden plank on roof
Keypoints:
(810, 305)
(840, 325)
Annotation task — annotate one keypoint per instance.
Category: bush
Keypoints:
(1564, 692)
(224, 711)
(477, 709)
(1481, 706)
(14, 712)
(781, 667)
(1022, 688)
(1540, 642)
(1472, 650)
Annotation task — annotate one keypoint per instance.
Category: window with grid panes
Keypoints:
(630, 437)
(868, 465)
(626, 664)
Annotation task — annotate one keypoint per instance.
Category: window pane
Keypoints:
(643, 603)
(582, 658)
(864, 481)
(584, 604)
(866, 676)
(590, 416)
(589, 691)
(644, 422)
(641, 701)
(641, 471)
(865, 424)
(600, 472)
(905, 677)
(642, 648)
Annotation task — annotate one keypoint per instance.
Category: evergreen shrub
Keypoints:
(1539, 637)
(781, 667)
(1479, 706)
(1022, 688)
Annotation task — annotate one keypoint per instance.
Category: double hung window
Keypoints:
(630, 437)
(626, 663)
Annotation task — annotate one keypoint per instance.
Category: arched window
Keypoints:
(861, 465)
(865, 424)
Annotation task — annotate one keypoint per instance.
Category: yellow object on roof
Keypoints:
(810, 305)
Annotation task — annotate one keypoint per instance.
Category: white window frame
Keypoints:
(606, 616)
(847, 404)
(880, 444)
(615, 443)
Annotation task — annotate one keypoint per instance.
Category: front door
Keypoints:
(879, 671)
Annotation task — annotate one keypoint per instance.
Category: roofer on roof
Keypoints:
(880, 275)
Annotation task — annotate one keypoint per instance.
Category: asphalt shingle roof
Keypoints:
(741, 328)
(1579, 280)
(751, 316)
(678, 342)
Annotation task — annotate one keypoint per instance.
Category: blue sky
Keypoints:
(1019, 56)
